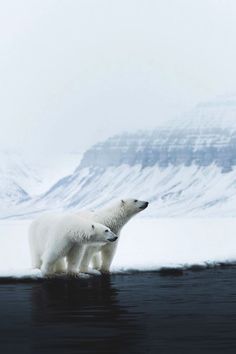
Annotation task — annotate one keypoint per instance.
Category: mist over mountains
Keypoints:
(186, 168)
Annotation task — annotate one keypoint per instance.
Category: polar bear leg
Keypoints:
(36, 261)
(34, 255)
(74, 258)
(108, 252)
(60, 266)
(96, 261)
(47, 267)
(52, 255)
(88, 254)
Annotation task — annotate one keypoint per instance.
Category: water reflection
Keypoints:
(85, 316)
(128, 313)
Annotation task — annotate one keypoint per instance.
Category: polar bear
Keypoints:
(115, 216)
(53, 237)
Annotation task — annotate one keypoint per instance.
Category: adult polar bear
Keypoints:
(53, 237)
(115, 217)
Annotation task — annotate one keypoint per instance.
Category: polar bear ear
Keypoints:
(93, 227)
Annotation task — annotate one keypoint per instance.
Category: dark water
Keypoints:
(126, 313)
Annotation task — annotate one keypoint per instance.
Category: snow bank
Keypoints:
(145, 245)
(151, 244)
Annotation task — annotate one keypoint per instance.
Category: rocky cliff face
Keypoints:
(166, 147)
(204, 136)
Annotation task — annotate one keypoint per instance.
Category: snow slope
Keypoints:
(21, 179)
(184, 169)
(16, 179)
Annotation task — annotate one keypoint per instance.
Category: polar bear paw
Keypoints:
(93, 271)
(84, 276)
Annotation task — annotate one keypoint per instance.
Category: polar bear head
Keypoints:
(133, 206)
(100, 233)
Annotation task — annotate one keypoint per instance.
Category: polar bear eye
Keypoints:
(135, 200)
(106, 230)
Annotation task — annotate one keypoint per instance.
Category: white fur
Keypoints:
(53, 237)
(115, 217)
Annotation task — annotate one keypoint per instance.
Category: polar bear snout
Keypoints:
(112, 239)
(144, 206)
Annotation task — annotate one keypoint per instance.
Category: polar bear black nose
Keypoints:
(144, 206)
(113, 239)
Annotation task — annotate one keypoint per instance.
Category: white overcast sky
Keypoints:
(73, 72)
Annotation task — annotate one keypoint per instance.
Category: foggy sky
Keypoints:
(73, 72)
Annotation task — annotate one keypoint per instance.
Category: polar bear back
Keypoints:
(54, 227)
(39, 231)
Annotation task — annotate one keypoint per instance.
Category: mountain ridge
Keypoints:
(185, 169)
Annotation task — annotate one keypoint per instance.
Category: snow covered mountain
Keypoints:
(187, 167)
(21, 179)
(16, 179)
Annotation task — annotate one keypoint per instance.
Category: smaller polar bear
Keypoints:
(53, 237)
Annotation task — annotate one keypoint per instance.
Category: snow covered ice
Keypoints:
(146, 244)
